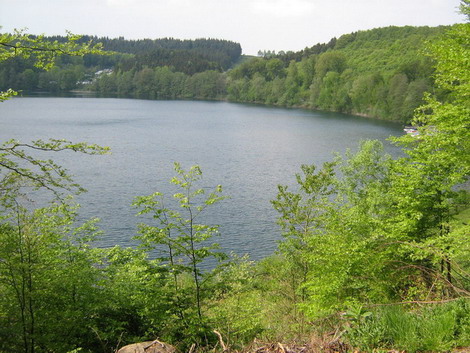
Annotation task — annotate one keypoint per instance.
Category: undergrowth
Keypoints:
(436, 328)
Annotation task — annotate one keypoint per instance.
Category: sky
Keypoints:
(288, 25)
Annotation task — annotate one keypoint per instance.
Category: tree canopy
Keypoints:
(379, 73)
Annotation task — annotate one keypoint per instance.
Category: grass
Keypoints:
(463, 216)
(436, 328)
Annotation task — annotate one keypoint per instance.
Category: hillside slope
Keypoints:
(380, 73)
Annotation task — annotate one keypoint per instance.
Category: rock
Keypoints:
(148, 347)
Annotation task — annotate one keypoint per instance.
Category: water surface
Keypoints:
(248, 149)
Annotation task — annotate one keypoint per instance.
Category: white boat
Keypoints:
(411, 130)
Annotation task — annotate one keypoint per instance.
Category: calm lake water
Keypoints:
(247, 149)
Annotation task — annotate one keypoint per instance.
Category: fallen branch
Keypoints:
(222, 344)
(154, 342)
(193, 346)
(282, 347)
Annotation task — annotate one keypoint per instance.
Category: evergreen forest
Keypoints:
(375, 249)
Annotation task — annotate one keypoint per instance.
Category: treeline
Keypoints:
(186, 56)
(379, 73)
(221, 52)
(163, 83)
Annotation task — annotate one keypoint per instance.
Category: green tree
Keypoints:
(398, 87)
(331, 225)
(125, 86)
(47, 279)
(206, 85)
(42, 52)
(437, 161)
(145, 83)
(47, 272)
(134, 302)
(29, 79)
(364, 93)
(20, 167)
(184, 243)
(237, 308)
(277, 89)
(292, 85)
(257, 92)
(301, 213)
(385, 232)
(274, 68)
(465, 8)
(330, 61)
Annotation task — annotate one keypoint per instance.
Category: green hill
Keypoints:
(381, 73)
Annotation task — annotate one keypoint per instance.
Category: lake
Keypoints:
(248, 149)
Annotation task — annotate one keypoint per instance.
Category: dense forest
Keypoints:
(375, 251)
(380, 73)
(187, 57)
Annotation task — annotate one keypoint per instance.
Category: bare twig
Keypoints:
(193, 346)
(163, 345)
(224, 347)
(283, 350)
(119, 342)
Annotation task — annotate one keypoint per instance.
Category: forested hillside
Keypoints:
(381, 73)
(185, 56)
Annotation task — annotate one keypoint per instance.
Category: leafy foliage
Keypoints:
(47, 279)
(221, 53)
(384, 230)
(20, 168)
(39, 52)
(125, 57)
(43, 51)
(377, 73)
(359, 73)
(185, 244)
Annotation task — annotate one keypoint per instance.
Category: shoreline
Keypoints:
(79, 93)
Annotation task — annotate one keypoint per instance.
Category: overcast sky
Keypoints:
(255, 24)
